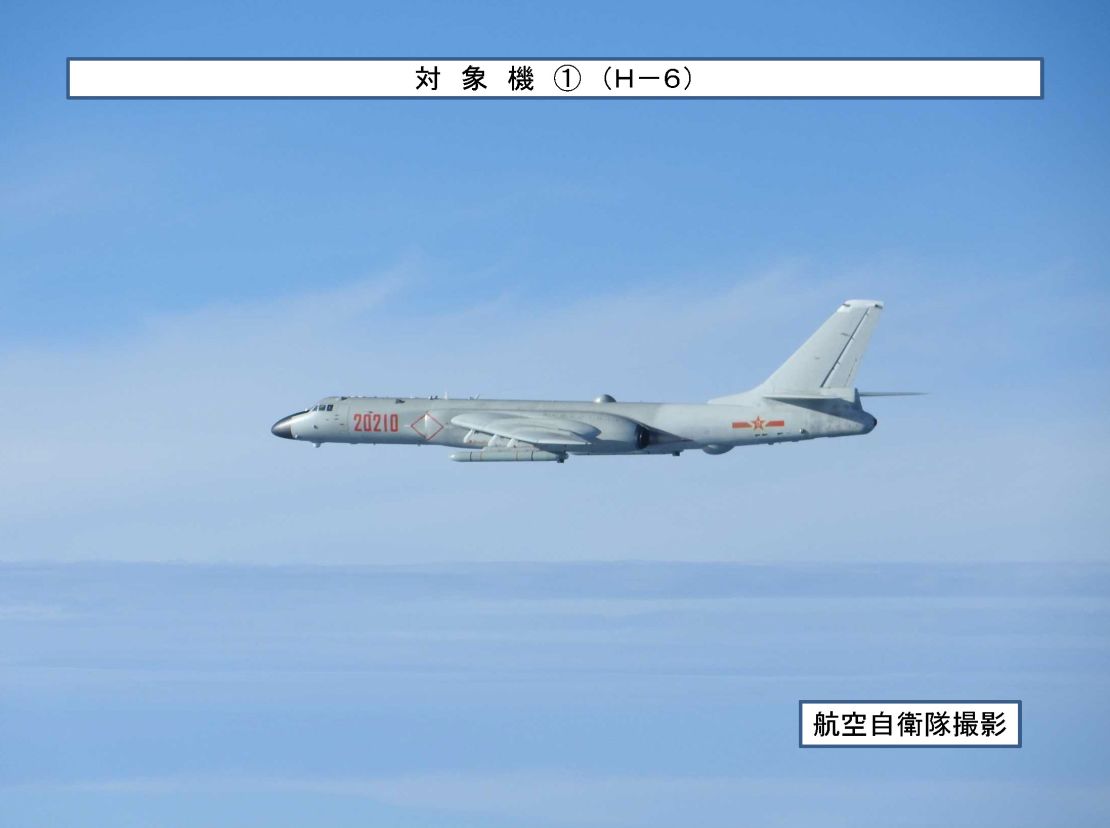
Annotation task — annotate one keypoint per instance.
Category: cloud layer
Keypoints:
(642, 694)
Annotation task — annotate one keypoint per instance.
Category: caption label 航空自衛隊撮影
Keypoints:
(909, 723)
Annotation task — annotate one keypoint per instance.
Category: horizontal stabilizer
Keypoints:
(893, 393)
(811, 396)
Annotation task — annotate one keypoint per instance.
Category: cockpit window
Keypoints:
(330, 407)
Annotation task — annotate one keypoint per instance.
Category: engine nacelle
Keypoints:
(616, 433)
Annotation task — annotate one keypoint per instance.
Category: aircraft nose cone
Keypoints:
(283, 428)
(871, 426)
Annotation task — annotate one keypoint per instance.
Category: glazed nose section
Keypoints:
(283, 427)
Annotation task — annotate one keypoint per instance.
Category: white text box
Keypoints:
(910, 723)
(548, 77)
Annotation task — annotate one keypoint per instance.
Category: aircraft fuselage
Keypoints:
(811, 395)
(621, 428)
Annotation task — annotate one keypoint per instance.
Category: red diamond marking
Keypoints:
(426, 426)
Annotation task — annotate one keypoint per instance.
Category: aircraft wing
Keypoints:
(539, 430)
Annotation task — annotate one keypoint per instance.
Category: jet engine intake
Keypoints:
(617, 434)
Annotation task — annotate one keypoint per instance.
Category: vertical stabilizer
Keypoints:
(829, 360)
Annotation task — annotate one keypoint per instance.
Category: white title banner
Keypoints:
(909, 724)
(554, 78)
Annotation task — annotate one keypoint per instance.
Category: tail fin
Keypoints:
(831, 357)
(826, 365)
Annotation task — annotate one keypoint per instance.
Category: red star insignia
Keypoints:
(758, 424)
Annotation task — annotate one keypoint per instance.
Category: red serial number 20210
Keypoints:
(372, 421)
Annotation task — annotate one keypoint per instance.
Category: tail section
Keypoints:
(826, 365)
(830, 358)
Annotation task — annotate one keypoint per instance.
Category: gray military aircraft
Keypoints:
(812, 395)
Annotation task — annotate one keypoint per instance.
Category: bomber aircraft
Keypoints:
(811, 395)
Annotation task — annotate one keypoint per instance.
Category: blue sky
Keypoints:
(178, 275)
